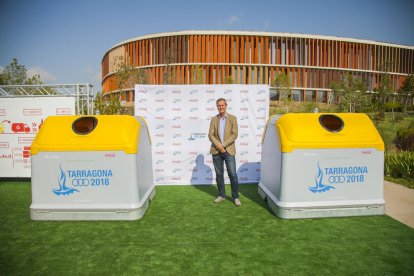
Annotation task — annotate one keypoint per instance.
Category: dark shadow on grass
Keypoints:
(15, 179)
(249, 191)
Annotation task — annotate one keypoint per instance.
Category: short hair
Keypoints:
(221, 99)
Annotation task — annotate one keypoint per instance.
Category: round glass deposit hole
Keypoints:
(84, 125)
(331, 123)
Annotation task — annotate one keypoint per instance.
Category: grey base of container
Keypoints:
(86, 214)
(321, 212)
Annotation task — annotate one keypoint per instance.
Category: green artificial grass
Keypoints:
(184, 233)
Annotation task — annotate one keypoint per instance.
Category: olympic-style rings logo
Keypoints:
(336, 179)
(80, 182)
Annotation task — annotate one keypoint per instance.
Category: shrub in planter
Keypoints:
(404, 139)
(399, 164)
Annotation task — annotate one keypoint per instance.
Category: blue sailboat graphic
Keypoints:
(319, 186)
(63, 190)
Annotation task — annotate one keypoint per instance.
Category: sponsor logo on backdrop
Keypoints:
(159, 100)
(193, 92)
(175, 118)
(338, 175)
(158, 92)
(177, 101)
(193, 109)
(195, 136)
(143, 100)
(228, 91)
(193, 100)
(159, 109)
(210, 91)
(32, 112)
(159, 117)
(244, 91)
(176, 109)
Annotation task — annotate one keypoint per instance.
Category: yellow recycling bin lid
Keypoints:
(327, 130)
(88, 133)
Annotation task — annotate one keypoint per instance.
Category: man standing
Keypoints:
(222, 134)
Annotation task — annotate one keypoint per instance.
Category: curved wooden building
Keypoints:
(214, 57)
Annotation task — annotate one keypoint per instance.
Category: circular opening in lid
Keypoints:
(331, 123)
(84, 125)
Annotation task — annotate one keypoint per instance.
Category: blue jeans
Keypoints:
(218, 161)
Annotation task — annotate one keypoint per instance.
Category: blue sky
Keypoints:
(65, 41)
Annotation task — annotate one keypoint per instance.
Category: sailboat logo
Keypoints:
(63, 190)
(319, 186)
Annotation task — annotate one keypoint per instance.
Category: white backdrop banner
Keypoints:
(178, 118)
(20, 120)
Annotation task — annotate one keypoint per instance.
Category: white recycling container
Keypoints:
(322, 165)
(91, 168)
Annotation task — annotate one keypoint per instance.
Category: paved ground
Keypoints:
(399, 203)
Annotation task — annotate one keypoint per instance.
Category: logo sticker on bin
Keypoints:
(337, 176)
(63, 189)
(319, 186)
(86, 178)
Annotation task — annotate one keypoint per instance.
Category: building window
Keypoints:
(298, 95)
(310, 95)
(322, 96)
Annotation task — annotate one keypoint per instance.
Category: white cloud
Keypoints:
(45, 76)
(233, 19)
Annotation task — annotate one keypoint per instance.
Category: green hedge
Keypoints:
(400, 164)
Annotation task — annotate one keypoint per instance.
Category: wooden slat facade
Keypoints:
(312, 62)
